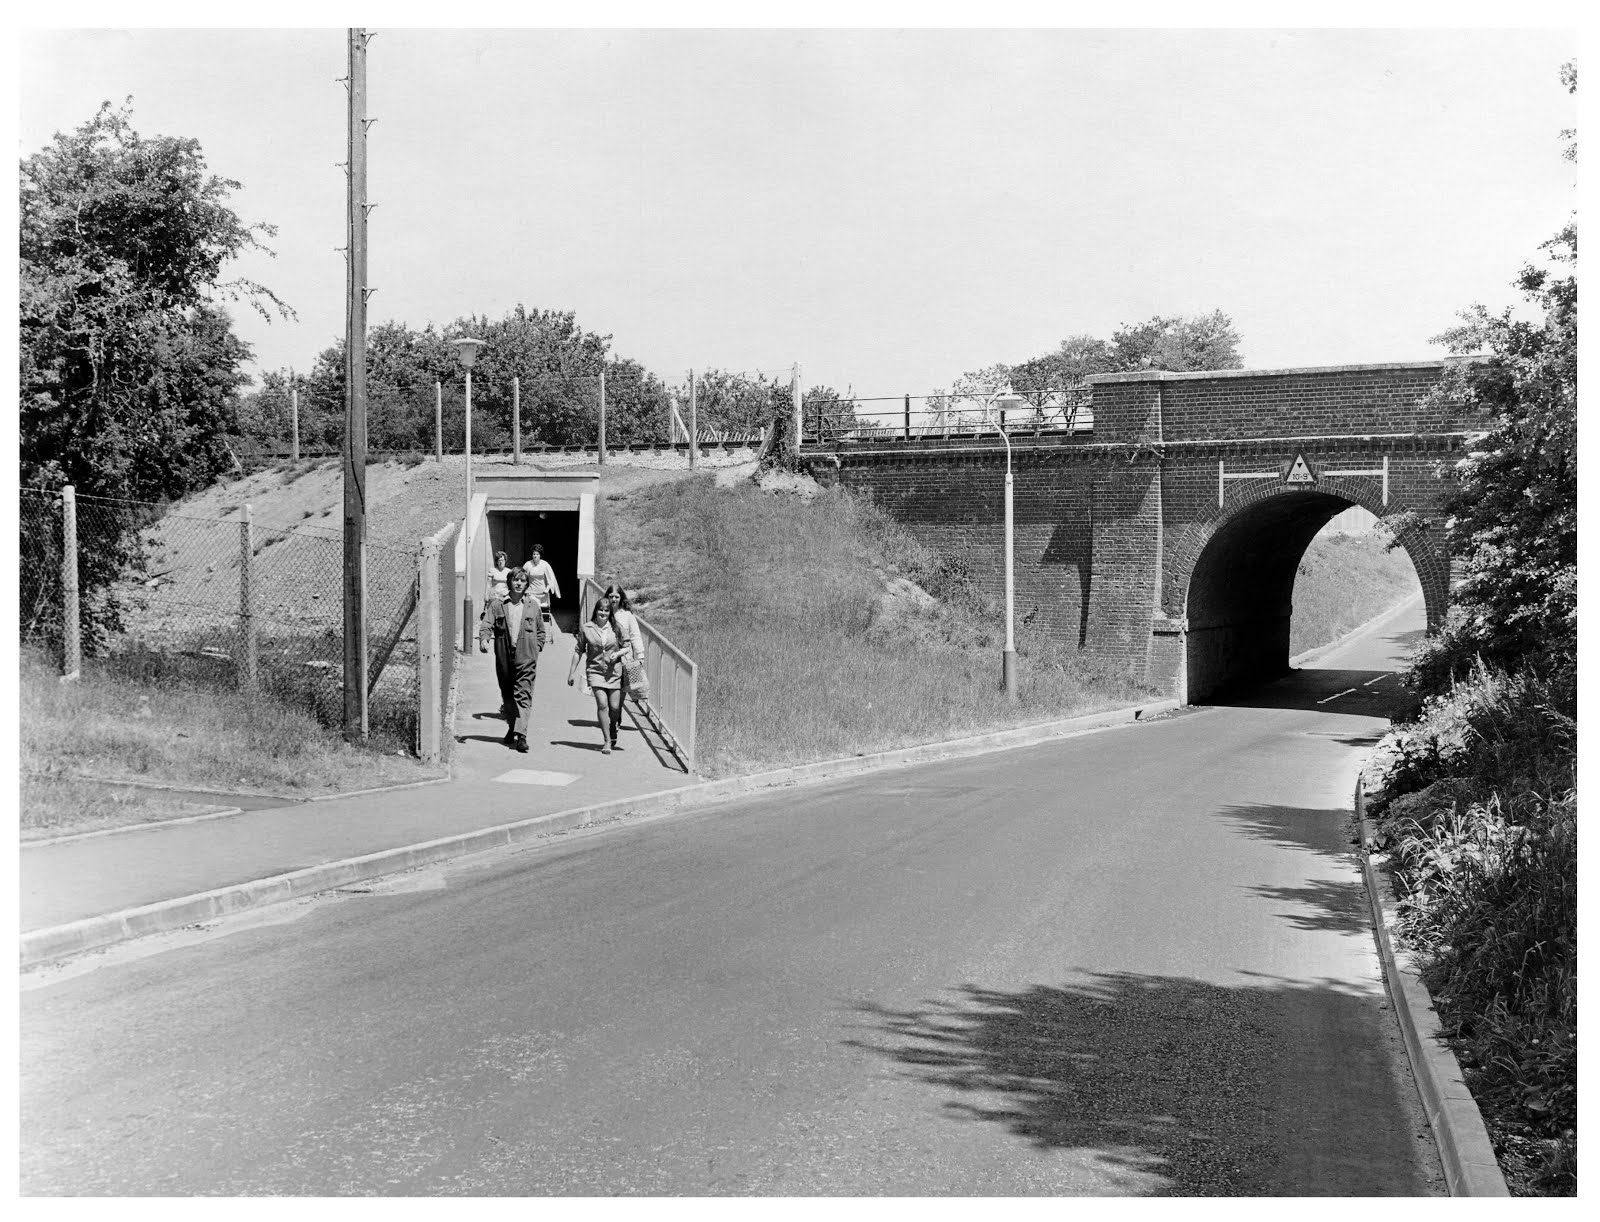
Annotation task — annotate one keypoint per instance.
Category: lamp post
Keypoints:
(1008, 659)
(467, 354)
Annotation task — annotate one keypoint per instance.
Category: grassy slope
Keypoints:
(76, 737)
(1344, 581)
(774, 598)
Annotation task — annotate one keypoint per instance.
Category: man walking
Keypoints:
(518, 631)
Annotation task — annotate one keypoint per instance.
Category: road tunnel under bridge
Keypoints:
(1241, 593)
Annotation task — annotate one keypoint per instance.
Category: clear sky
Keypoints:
(889, 208)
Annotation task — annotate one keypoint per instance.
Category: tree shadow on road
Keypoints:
(1328, 832)
(1324, 904)
(1167, 1086)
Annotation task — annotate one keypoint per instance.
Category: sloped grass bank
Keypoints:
(79, 739)
(808, 646)
(1343, 581)
(1478, 810)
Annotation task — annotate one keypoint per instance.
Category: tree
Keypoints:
(129, 369)
(1514, 516)
(732, 402)
(636, 403)
(1202, 341)
(1058, 381)
(825, 407)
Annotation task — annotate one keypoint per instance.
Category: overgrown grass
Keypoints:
(1343, 581)
(1479, 810)
(804, 651)
(151, 722)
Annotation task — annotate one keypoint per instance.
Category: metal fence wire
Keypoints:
(39, 603)
(254, 604)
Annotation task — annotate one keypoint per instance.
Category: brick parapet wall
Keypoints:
(1395, 398)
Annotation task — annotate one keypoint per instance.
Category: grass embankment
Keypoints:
(80, 740)
(1345, 580)
(811, 643)
(1478, 808)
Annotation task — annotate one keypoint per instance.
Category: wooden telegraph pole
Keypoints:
(516, 418)
(355, 403)
(294, 418)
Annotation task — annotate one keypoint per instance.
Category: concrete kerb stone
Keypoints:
(226, 812)
(1465, 1151)
(96, 933)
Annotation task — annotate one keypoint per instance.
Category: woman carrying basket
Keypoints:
(602, 654)
(635, 682)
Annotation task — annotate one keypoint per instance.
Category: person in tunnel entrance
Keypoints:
(542, 583)
(517, 629)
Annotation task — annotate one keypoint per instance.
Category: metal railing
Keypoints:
(674, 681)
(837, 420)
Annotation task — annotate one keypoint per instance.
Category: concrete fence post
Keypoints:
(438, 423)
(247, 672)
(694, 424)
(516, 418)
(71, 628)
(429, 703)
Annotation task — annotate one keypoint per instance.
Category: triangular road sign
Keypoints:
(1299, 472)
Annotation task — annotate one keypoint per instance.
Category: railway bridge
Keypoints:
(1165, 541)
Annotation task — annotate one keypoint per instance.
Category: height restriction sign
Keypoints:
(1299, 472)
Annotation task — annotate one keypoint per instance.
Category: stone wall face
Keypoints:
(1120, 537)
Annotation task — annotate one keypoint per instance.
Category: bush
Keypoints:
(1479, 812)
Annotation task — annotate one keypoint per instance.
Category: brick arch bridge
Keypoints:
(1164, 543)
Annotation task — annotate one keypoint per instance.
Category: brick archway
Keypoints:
(1231, 577)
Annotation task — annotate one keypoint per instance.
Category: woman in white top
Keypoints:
(542, 582)
(497, 578)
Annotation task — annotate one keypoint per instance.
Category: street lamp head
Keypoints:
(1005, 399)
(467, 350)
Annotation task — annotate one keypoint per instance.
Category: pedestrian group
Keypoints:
(517, 619)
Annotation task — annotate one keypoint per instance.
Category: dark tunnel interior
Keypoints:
(1241, 593)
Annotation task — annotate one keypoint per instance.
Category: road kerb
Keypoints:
(96, 933)
(1465, 1151)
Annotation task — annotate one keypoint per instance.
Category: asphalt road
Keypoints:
(1135, 962)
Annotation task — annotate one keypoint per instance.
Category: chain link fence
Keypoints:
(227, 601)
(39, 594)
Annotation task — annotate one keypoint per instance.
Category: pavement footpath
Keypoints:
(75, 880)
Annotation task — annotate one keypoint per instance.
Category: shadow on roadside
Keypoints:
(1170, 1086)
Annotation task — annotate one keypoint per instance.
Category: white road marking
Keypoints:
(1379, 679)
(1336, 695)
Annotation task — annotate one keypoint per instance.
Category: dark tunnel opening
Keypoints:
(1241, 593)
